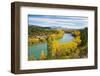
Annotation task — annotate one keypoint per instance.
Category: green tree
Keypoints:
(31, 57)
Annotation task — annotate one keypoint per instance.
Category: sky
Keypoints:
(60, 21)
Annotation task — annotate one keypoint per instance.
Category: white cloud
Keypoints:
(69, 23)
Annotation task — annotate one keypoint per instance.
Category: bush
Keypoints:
(31, 57)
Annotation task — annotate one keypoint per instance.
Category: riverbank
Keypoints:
(65, 50)
(53, 48)
(35, 49)
(40, 39)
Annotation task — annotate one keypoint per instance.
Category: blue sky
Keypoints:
(62, 21)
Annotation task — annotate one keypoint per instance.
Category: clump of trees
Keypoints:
(32, 40)
(58, 50)
(39, 35)
(75, 33)
(53, 47)
(35, 31)
(84, 43)
(84, 36)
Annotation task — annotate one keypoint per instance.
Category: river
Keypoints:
(36, 49)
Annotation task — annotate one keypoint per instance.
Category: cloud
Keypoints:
(58, 21)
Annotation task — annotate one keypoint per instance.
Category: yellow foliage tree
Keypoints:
(53, 46)
(42, 56)
(32, 40)
(76, 33)
(77, 40)
(57, 50)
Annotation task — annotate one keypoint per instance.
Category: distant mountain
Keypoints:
(39, 27)
(58, 27)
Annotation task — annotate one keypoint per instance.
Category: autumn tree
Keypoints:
(42, 56)
(53, 47)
